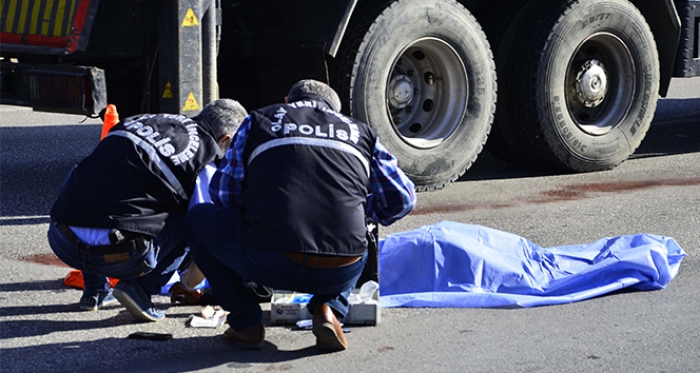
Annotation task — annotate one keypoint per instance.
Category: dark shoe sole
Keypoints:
(326, 338)
(133, 307)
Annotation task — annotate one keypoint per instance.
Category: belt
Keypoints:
(322, 261)
(110, 252)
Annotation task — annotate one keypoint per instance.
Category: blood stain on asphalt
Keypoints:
(567, 192)
(46, 259)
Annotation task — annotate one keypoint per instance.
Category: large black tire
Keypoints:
(586, 85)
(503, 25)
(421, 73)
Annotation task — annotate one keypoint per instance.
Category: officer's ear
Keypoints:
(224, 141)
(286, 99)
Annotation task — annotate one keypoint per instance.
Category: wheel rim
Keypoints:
(600, 83)
(427, 92)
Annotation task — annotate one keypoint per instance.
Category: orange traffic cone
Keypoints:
(74, 279)
(111, 119)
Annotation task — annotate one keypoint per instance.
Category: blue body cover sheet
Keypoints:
(451, 264)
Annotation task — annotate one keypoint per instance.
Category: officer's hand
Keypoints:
(183, 295)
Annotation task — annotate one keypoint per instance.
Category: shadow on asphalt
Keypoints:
(675, 130)
(37, 310)
(34, 328)
(134, 356)
(32, 286)
(35, 161)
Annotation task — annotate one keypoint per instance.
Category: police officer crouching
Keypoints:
(120, 212)
(289, 205)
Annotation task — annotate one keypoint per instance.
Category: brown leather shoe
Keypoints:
(326, 327)
(251, 338)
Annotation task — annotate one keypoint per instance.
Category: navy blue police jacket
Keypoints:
(145, 169)
(306, 179)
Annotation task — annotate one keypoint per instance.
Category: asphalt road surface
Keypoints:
(656, 191)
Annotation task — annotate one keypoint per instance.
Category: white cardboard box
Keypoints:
(283, 312)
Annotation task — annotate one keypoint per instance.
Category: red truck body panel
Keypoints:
(57, 24)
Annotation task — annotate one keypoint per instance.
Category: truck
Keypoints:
(568, 85)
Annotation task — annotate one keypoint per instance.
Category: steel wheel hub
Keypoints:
(400, 91)
(427, 92)
(592, 83)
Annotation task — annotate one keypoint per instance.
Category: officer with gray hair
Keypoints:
(306, 87)
(120, 212)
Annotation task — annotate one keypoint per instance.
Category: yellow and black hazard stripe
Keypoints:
(50, 23)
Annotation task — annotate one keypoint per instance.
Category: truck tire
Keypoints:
(586, 85)
(503, 24)
(421, 73)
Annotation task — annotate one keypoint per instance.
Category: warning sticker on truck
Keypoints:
(191, 103)
(190, 19)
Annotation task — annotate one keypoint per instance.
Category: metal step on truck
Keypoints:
(562, 84)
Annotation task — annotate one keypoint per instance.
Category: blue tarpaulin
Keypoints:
(451, 264)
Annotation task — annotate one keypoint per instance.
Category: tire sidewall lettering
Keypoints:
(373, 69)
(628, 133)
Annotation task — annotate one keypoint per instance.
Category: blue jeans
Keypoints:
(216, 239)
(150, 270)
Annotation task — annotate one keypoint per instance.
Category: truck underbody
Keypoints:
(564, 84)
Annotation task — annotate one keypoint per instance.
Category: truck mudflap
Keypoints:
(63, 89)
(46, 26)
